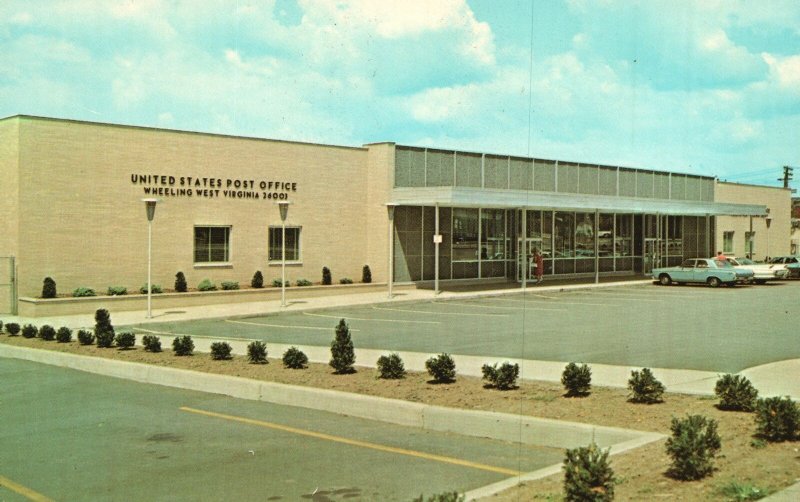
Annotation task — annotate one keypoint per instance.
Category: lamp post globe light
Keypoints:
(150, 207)
(283, 207)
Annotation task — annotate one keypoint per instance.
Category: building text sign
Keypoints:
(205, 187)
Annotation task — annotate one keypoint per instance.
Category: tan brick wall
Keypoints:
(380, 168)
(83, 222)
(774, 241)
(9, 183)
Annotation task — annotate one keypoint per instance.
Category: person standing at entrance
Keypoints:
(539, 260)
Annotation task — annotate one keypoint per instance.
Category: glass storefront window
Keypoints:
(584, 234)
(623, 241)
(547, 234)
(674, 236)
(493, 234)
(605, 235)
(564, 246)
(465, 234)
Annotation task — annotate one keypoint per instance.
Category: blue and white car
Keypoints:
(762, 272)
(702, 270)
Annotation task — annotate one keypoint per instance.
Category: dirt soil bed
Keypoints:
(743, 461)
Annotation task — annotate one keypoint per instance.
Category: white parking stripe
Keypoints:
(631, 296)
(555, 301)
(368, 319)
(279, 325)
(495, 306)
(438, 313)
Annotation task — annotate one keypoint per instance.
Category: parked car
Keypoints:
(704, 270)
(793, 269)
(790, 263)
(762, 272)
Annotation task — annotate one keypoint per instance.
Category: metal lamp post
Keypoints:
(391, 207)
(283, 206)
(150, 206)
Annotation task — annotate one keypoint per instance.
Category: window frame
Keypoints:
(298, 240)
(727, 241)
(227, 246)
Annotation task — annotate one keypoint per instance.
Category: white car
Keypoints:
(762, 272)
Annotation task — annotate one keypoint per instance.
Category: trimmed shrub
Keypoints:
(85, 337)
(644, 387)
(345, 280)
(12, 329)
(48, 288)
(294, 358)
(326, 276)
(366, 275)
(502, 378)
(29, 331)
(343, 355)
(206, 285)
(183, 345)
(47, 333)
(442, 368)
(103, 330)
(117, 290)
(220, 351)
(257, 352)
(777, 419)
(588, 475)
(303, 282)
(230, 285)
(735, 392)
(64, 335)
(125, 340)
(391, 367)
(83, 292)
(180, 283)
(105, 339)
(276, 283)
(577, 380)
(258, 280)
(155, 289)
(151, 343)
(441, 497)
(693, 445)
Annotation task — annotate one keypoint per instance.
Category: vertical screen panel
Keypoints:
(468, 170)
(627, 183)
(678, 187)
(607, 181)
(644, 184)
(661, 186)
(587, 181)
(521, 174)
(439, 169)
(708, 190)
(694, 188)
(409, 167)
(544, 176)
(567, 178)
(495, 172)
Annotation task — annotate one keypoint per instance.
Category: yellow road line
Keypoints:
(355, 442)
(280, 325)
(23, 490)
(436, 313)
(403, 321)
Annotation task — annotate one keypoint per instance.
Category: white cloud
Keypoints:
(785, 71)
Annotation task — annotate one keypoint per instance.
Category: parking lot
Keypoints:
(681, 327)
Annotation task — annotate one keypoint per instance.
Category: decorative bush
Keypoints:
(125, 340)
(230, 285)
(183, 345)
(83, 292)
(258, 280)
(151, 343)
(206, 285)
(29, 331)
(502, 378)
(105, 339)
(442, 368)
(303, 282)
(118, 290)
(47, 333)
(12, 329)
(391, 367)
(644, 387)
(777, 419)
(294, 358)
(155, 289)
(577, 380)
(588, 475)
(257, 352)
(343, 354)
(85, 337)
(345, 280)
(103, 330)
(326, 276)
(64, 335)
(693, 445)
(735, 392)
(276, 283)
(48, 288)
(180, 283)
(366, 275)
(220, 351)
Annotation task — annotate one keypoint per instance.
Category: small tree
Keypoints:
(12, 329)
(47, 333)
(366, 275)
(502, 378)
(220, 351)
(64, 335)
(343, 354)
(326, 276)
(85, 337)
(49, 288)
(588, 475)
(391, 367)
(102, 324)
(577, 380)
(125, 340)
(151, 343)
(644, 387)
(442, 368)
(257, 352)
(693, 445)
(735, 392)
(294, 358)
(180, 283)
(777, 419)
(183, 345)
(258, 280)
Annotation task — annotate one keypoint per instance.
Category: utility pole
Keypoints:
(787, 175)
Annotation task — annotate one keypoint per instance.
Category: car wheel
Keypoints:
(665, 280)
(760, 281)
(713, 282)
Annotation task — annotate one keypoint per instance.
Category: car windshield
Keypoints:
(745, 261)
(722, 264)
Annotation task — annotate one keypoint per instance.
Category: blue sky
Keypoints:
(702, 86)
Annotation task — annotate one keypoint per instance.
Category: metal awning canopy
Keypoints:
(512, 199)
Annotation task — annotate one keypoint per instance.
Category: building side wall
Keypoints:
(380, 167)
(86, 226)
(772, 241)
(9, 209)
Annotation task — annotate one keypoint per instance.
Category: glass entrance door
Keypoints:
(650, 255)
(527, 246)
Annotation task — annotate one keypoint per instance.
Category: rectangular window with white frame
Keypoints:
(212, 244)
(727, 242)
(292, 244)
